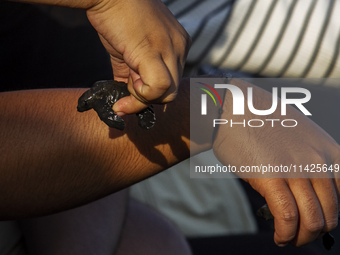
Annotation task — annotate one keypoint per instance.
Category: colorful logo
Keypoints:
(204, 97)
(209, 93)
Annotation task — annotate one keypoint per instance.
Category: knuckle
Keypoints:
(289, 216)
(160, 87)
(146, 42)
(317, 157)
(188, 41)
(182, 45)
(331, 225)
(315, 226)
(155, 91)
(163, 84)
(184, 40)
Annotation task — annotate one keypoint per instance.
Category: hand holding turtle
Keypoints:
(103, 95)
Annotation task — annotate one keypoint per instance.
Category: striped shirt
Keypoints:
(280, 38)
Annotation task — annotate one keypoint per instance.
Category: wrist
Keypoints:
(202, 129)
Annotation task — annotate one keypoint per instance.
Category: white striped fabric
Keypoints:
(281, 38)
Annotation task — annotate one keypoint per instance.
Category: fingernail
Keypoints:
(281, 244)
(120, 114)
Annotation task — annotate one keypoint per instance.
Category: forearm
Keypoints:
(53, 157)
(81, 4)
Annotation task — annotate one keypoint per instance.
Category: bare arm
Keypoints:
(54, 158)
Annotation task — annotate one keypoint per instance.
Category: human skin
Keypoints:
(54, 158)
(147, 46)
(303, 208)
(58, 158)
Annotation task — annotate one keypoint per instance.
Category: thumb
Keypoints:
(128, 105)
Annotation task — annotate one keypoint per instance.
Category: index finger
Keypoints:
(282, 205)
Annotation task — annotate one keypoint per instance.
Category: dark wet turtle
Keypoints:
(103, 95)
